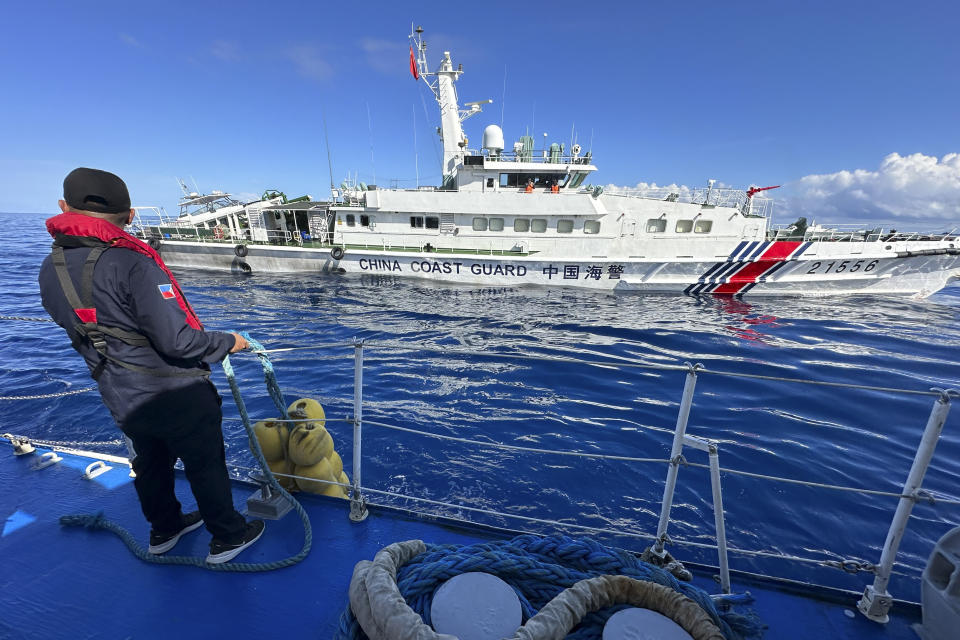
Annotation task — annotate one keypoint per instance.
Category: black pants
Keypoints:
(183, 423)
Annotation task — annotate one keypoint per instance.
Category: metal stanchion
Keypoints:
(876, 601)
(675, 452)
(358, 506)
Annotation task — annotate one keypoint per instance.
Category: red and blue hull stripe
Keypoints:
(749, 264)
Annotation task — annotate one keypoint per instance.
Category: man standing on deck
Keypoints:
(150, 356)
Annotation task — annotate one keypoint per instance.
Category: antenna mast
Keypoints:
(326, 140)
(441, 84)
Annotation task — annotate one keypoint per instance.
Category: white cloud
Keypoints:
(386, 56)
(650, 189)
(247, 196)
(128, 39)
(653, 190)
(909, 189)
(913, 188)
(309, 62)
(225, 50)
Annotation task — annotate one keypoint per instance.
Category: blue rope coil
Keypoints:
(538, 569)
(99, 522)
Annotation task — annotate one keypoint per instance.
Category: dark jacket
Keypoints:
(129, 294)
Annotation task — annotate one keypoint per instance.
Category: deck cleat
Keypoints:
(21, 446)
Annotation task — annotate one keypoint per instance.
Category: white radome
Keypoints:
(493, 138)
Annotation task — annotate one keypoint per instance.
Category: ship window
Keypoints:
(416, 222)
(521, 225)
(496, 224)
(479, 224)
(538, 225)
(656, 225)
(564, 226)
(433, 222)
(591, 226)
(365, 221)
(540, 180)
(351, 220)
(684, 226)
(703, 226)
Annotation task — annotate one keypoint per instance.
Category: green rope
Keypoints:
(98, 521)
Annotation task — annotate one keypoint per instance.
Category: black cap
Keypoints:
(95, 190)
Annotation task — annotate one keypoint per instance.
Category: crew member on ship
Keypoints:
(529, 188)
(150, 356)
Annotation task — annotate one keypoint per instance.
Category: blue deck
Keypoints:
(59, 582)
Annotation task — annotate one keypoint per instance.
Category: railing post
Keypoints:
(358, 507)
(876, 602)
(713, 452)
(718, 517)
(679, 431)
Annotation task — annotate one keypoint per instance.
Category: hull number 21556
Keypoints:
(844, 266)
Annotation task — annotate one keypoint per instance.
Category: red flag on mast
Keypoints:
(413, 65)
(752, 191)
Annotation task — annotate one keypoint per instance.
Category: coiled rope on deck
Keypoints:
(538, 569)
(99, 522)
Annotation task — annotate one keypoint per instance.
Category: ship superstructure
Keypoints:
(521, 215)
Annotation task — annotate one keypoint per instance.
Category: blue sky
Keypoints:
(852, 105)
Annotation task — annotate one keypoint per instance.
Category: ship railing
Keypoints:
(876, 600)
(859, 233)
(538, 156)
(151, 216)
(427, 247)
(277, 236)
(715, 197)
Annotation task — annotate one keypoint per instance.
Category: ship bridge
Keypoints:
(494, 169)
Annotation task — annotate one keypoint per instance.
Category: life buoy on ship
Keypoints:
(154, 243)
(240, 250)
(218, 233)
(336, 253)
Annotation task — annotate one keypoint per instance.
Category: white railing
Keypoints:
(151, 216)
(538, 156)
(859, 233)
(717, 197)
(876, 601)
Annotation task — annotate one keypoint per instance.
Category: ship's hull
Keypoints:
(753, 268)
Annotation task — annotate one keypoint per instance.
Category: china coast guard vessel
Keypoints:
(519, 215)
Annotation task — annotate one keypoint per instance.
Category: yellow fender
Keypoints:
(272, 436)
(309, 443)
(321, 471)
(307, 409)
(283, 466)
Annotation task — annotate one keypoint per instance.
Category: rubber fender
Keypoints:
(154, 243)
(309, 443)
(336, 253)
(309, 409)
(321, 470)
(240, 250)
(272, 436)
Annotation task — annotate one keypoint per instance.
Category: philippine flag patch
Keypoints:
(166, 290)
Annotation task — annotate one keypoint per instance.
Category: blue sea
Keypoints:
(417, 376)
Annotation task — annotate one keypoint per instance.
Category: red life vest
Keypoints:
(77, 224)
